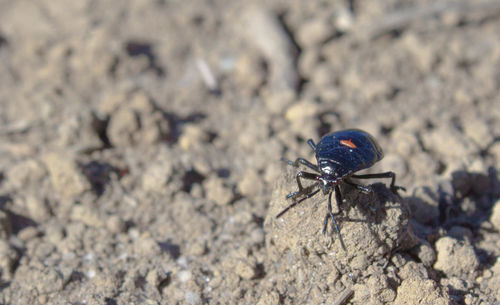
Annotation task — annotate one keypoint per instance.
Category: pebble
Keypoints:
(455, 258)
(495, 215)
(25, 173)
(314, 32)
(191, 136)
(217, 190)
(478, 131)
(86, 214)
(115, 224)
(145, 245)
(251, 184)
(420, 291)
(8, 257)
(37, 209)
(5, 225)
(67, 179)
(184, 275)
(244, 270)
(426, 254)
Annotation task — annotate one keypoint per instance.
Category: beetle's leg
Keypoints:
(363, 188)
(338, 198)
(391, 175)
(301, 161)
(303, 175)
(297, 202)
(311, 143)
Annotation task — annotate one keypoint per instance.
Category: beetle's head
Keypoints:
(327, 183)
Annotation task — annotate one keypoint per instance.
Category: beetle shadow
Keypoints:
(460, 208)
(372, 206)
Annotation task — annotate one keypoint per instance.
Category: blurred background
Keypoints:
(140, 143)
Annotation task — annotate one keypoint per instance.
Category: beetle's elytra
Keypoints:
(339, 156)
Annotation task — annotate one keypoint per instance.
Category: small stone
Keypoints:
(145, 245)
(277, 102)
(495, 215)
(218, 191)
(25, 173)
(192, 298)
(87, 215)
(153, 277)
(54, 233)
(413, 270)
(123, 124)
(455, 258)
(81, 131)
(244, 270)
(343, 19)
(269, 298)
(423, 54)
(37, 208)
(249, 72)
(251, 184)
(478, 131)
(8, 257)
(426, 254)
(314, 31)
(5, 225)
(156, 176)
(115, 224)
(66, 177)
(184, 276)
(421, 291)
(191, 136)
(302, 115)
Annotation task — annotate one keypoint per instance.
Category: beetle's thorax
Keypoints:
(328, 169)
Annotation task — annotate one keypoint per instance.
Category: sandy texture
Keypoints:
(140, 145)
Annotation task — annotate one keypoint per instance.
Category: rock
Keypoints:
(136, 121)
(420, 291)
(277, 102)
(250, 184)
(115, 224)
(193, 135)
(8, 257)
(25, 173)
(298, 231)
(477, 129)
(218, 191)
(301, 116)
(413, 270)
(314, 31)
(87, 215)
(145, 245)
(495, 215)
(425, 253)
(269, 298)
(67, 179)
(81, 131)
(37, 208)
(5, 225)
(455, 258)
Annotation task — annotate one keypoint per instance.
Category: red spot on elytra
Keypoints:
(348, 143)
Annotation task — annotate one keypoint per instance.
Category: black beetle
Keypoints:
(339, 155)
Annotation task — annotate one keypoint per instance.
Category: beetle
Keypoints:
(339, 156)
